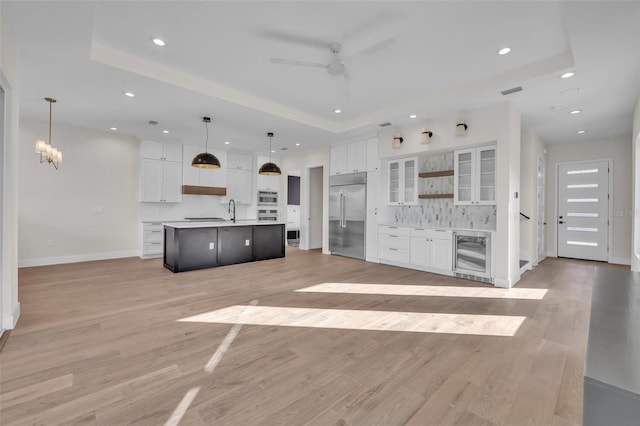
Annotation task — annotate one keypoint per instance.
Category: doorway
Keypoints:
(583, 203)
(315, 185)
(541, 220)
(293, 208)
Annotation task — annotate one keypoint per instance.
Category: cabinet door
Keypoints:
(441, 256)
(151, 150)
(463, 177)
(190, 174)
(150, 180)
(373, 160)
(420, 251)
(357, 157)
(393, 183)
(171, 182)
(339, 160)
(173, 152)
(239, 161)
(371, 237)
(410, 181)
(235, 245)
(239, 186)
(486, 180)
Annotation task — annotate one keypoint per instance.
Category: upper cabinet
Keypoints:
(197, 176)
(355, 157)
(160, 172)
(475, 176)
(239, 161)
(402, 182)
(239, 178)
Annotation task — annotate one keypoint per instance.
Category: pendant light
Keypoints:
(204, 160)
(269, 169)
(48, 153)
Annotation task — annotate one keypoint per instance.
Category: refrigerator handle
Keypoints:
(343, 201)
(455, 251)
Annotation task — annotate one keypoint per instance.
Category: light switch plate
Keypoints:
(212, 246)
(246, 243)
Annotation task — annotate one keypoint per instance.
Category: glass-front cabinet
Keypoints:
(402, 182)
(475, 176)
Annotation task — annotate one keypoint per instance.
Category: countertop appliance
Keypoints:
(347, 214)
(472, 255)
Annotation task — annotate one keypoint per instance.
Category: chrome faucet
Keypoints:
(232, 212)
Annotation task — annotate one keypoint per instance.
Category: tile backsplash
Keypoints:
(443, 213)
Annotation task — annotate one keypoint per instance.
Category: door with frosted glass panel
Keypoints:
(393, 191)
(486, 185)
(583, 203)
(410, 173)
(463, 176)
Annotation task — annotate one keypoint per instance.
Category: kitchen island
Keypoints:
(198, 245)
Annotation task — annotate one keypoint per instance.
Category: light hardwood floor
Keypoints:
(99, 343)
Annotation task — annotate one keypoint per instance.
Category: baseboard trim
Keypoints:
(620, 260)
(9, 322)
(26, 263)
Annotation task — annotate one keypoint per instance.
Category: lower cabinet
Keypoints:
(419, 248)
(151, 240)
(235, 245)
(189, 248)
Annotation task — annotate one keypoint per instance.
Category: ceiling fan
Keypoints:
(336, 67)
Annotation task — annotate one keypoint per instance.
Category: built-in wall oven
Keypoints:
(268, 205)
(472, 255)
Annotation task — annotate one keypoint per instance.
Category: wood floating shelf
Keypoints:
(436, 174)
(203, 190)
(428, 196)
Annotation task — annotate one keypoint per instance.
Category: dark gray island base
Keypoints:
(189, 246)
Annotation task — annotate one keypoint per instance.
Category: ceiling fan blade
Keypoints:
(291, 38)
(371, 50)
(294, 62)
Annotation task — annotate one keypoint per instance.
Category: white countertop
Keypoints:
(438, 227)
(219, 224)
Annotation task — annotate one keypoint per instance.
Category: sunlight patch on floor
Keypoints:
(427, 290)
(418, 322)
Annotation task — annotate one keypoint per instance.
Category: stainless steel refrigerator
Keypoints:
(347, 214)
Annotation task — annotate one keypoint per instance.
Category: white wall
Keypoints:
(617, 149)
(499, 124)
(88, 208)
(532, 148)
(301, 161)
(9, 73)
(635, 252)
(315, 207)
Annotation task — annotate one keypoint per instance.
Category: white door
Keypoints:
(583, 202)
(541, 219)
(371, 237)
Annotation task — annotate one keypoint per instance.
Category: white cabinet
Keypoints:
(355, 157)
(239, 161)
(198, 176)
(395, 244)
(152, 240)
(402, 182)
(239, 186)
(373, 160)
(432, 249)
(339, 160)
(371, 237)
(160, 172)
(475, 176)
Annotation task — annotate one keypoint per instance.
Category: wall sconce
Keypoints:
(461, 130)
(425, 136)
(397, 141)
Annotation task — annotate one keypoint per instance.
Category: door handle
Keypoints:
(560, 221)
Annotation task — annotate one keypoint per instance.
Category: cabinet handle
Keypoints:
(155, 232)
(393, 227)
(393, 236)
(440, 230)
(419, 229)
(392, 249)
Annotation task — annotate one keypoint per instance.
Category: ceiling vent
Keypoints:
(512, 90)
(385, 124)
(153, 122)
(284, 148)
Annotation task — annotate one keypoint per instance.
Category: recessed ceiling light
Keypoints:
(158, 41)
(581, 132)
(165, 131)
(113, 128)
(298, 144)
(567, 74)
(575, 111)
(504, 51)
(227, 142)
(129, 94)
(412, 116)
(337, 111)
(273, 150)
(556, 107)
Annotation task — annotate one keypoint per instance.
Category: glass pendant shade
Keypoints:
(41, 146)
(205, 160)
(270, 169)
